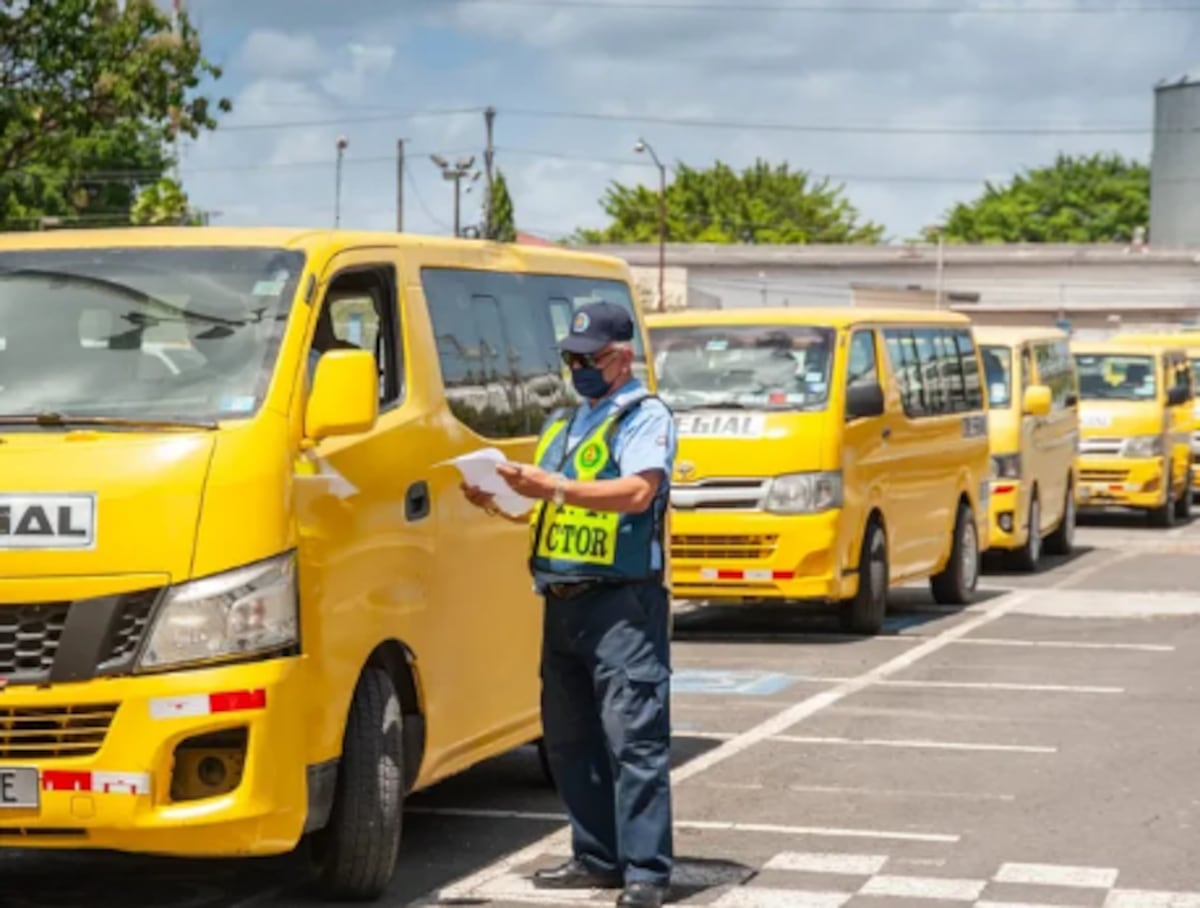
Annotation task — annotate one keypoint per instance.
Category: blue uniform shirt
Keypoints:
(645, 440)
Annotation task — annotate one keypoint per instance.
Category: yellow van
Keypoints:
(824, 454)
(1188, 340)
(243, 602)
(1033, 426)
(1135, 420)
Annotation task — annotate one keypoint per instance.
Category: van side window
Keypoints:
(497, 336)
(1055, 371)
(360, 312)
(937, 370)
(861, 368)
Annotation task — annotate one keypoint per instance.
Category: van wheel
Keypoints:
(1062, 540)
(864, 613)
(355, 855)
(1183, 504)
(956, 583)
(1164, 515)
(1027, 557)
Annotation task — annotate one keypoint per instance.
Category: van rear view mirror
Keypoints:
(1177, 395)
(864, 401)
(345, 395)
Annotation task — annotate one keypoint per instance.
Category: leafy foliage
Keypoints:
(504, 227)
(92, 94)
(761, 204)
(1086, 199)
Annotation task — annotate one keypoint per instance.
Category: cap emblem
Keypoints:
(581, 323)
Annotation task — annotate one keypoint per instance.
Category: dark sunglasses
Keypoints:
(582, 360)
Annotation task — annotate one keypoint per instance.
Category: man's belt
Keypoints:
(575, 589)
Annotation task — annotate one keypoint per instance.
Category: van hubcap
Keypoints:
(970, 555)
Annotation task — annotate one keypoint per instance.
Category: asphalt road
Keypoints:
(1036, 749)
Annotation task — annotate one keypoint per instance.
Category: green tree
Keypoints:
(761, 204)
(95, 92)
(504, 227)
(1086, 199)
(164, 203)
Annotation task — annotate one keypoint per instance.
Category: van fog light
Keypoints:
(1006, 521)
(209, 765)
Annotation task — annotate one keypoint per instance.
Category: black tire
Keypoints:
(1062, 540)
(1183, 504)
(1026, 558)
(1164, 515)
(544, 760)
(865, 613)
(955, 585)
(355, 854)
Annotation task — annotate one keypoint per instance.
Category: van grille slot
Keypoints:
(1099, 475)
(43, 733)
(29, 638)
(723, 548)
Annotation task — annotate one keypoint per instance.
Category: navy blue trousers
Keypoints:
(606, 719)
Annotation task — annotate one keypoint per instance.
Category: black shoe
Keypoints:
(574, 874)
(642, 895)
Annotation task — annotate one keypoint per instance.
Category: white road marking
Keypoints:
(927, 887)
(920, 744)
(762, 897)
(515, 887)
(774, 725)
(808, 862)
(1143, 898)
(1067, 644)
(986, 904)
(705, 825)
(899, 792)
(1058, 875)
(977, 685)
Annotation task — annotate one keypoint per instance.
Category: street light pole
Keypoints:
(454, 173)
(641, 147)
(337, 194)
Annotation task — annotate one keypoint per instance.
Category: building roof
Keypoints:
(699, 255)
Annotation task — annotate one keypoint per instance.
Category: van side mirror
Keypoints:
(1037, 400)
(344, 399)
(1177, 395)
(864, 401)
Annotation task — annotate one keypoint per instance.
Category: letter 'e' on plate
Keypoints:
(18, 788)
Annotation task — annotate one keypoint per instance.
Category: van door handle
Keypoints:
(416, 502)
(886, 433)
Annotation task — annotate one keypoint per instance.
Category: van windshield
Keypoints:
(1111, 376)
(145, 333)
(751, 366)
(997, 370)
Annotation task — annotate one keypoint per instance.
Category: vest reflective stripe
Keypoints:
(575, 543)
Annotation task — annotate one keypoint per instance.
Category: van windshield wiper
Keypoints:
(52, 419)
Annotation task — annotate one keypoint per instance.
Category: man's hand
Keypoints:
(479, 498)
(526, 480)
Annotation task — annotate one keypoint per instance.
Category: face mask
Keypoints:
(590, 383)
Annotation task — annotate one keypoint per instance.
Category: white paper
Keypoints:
(478, 468)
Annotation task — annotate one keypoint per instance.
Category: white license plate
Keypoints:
(18, 787)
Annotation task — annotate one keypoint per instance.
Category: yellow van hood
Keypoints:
(1119, 418)
(724, 443)
(99, 503)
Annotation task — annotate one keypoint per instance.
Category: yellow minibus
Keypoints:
(1033, 427)
(243, 602)
(1135, 417)
(824, 454)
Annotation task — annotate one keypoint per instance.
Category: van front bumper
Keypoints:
(119, 797)
(1008, 514)
(752, 556)
(1120, 482)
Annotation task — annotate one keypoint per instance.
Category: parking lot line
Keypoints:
(806, 862)
(897, 792)
(916, 887)
(1066, 644)
(779, 723)
(887, 742)
(1056, 875)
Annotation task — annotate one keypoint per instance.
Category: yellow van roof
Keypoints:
(832, 316)
(1112, 345)
(1189, 341)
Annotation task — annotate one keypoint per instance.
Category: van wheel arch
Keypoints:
(399, 661)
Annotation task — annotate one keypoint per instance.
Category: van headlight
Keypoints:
(804, 493)
(1142, 446)
(237, 613)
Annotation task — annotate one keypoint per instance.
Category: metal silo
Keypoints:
(1175, 163)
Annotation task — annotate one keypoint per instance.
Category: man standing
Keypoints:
(602, 481)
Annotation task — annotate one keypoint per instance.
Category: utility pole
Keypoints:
(489, 155)
(337, 197)
(455, 173)
(643, 147)
(399, 185)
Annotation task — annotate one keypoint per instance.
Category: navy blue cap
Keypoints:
(597, 325)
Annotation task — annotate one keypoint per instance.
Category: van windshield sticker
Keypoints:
(717, 344)
(268, 288)
(721, 425)
(47, 521)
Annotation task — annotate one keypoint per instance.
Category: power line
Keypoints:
(1090, 9)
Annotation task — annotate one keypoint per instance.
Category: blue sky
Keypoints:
(302, 72)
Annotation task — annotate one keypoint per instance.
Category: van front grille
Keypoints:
(1098, 475)
(723, 548)
(29, 638)
(43, 733)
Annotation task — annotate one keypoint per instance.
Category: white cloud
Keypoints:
(368, 61)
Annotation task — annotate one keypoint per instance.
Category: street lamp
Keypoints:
(342, 142)
(940, 230)
(644, 147)
(455, 173)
